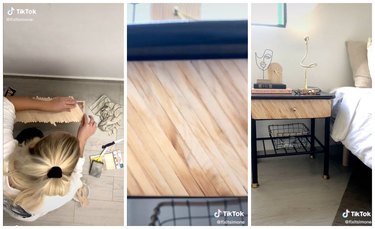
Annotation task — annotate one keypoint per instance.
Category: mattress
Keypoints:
(353, 124)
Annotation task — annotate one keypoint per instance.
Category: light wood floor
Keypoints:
(293, 193)
(106, 200)
(187, 128)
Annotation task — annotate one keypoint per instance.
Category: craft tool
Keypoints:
(112, 143)
(97, 161)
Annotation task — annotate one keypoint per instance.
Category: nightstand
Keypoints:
(288, 107)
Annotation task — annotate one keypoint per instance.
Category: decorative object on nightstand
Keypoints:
(306, 66)
(287, 91)
(275, 73)
(263, 62)
(308, 91)
(272, 85)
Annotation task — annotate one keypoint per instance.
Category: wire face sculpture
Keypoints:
(264, 61)
(306, 66)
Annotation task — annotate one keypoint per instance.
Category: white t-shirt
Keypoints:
(50, 203)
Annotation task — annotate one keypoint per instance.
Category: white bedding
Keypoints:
(353, 126)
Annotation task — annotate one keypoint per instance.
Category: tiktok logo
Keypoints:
(22, 11)
(11, 11)
(345, 214)
(218, 213)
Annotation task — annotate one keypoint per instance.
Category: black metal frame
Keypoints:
(192, 40)
(291, 152)
(324, 148)
(209, 204)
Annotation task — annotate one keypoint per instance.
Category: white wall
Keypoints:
(209, 11)
(328, 26)
(74, 40)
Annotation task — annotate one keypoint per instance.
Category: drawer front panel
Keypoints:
(290, 109)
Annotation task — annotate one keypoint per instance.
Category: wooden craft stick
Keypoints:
(34, 116)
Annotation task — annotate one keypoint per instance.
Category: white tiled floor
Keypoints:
(106, 200)
(293, 193)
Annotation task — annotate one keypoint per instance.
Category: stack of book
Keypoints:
(271, 88)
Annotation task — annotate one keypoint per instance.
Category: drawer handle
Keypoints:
(294, 109)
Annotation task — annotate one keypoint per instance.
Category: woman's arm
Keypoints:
(57, 104)
(85, 131)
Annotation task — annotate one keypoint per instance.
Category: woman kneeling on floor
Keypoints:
(41, 174)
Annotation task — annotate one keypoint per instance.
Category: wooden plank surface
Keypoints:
(187, 135)
(290, 109)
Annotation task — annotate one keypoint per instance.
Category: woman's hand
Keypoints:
(58, 104)
(85, 131)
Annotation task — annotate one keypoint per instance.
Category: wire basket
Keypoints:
(197, 212)
(289, 136)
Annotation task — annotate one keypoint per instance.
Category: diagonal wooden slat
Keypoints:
(205, 119)
(197, 147)
(210, 102)
(189, 117)
(233, 73)
(149, 167)
(141, 180)
(187, 135)
(237, 98)
(237, 117)
(179, 177)
(170, 131)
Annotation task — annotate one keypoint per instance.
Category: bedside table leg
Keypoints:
(254, 158)
(326, 147)
(312, 138)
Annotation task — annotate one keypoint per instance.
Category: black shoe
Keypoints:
(28, 134)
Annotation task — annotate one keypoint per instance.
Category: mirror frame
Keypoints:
(283, 25)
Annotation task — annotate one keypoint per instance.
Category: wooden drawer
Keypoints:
(290, 109)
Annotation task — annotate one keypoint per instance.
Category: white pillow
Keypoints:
(370, 58)
(357, 52)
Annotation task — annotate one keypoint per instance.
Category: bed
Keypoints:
(353, 123)
(353, 106)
